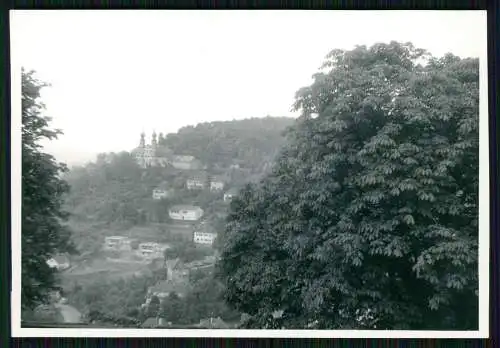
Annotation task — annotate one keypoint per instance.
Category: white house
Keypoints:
(151, 250)
(196, 182)
(118, 243)
(160, 194)
(216, 184)
(60, 262)
(202, 237)
(185, 162)
(229, 195)
(185, 213)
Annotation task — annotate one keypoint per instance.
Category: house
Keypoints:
(196, 182)
(162, 192)
(59, 262)
(185, 213)
(204, 234)
(185, 162)
(118, 243)
(229, 195)
(151, 250)
(204, 237)
(217, 183)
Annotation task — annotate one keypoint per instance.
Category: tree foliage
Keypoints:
(43, 231)
(370, 216)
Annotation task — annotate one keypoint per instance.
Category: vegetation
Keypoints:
(43, 231)
(369, 218)
(251, 142)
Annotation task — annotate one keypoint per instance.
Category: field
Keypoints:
(92, 270)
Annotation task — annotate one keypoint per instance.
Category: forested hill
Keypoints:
(115, 189)
(250, 141)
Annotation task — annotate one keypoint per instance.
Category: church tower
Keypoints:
(142, 143)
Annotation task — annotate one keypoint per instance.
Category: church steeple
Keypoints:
(153, 139)
(142, 143)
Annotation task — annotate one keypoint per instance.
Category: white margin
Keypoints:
(484, 239)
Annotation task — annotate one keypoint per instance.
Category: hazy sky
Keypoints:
(116, 73)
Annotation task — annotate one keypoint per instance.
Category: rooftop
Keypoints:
(184, 207)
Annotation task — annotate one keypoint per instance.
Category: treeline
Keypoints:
(251, 142)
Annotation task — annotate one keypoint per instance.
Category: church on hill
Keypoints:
(151, 155)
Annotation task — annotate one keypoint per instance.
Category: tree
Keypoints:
(43, 231)
(369, 218)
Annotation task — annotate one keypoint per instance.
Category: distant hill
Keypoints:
(250, 142)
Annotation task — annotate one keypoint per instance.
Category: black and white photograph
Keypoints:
(266, 173)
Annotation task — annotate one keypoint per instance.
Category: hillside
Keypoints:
(115, 191)
(251, 141)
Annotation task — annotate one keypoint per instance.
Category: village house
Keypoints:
(162, 192)
(59, 262)
(185, 162)
(151, 250)
(118, 243)
(229, 195)
(185, 213)
(217, 183)
(197, 182)
(201, 237)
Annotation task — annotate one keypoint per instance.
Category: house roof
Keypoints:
(61, 259)
(162, 186)
(183, 158)
(218, 178)
(184, 207)
(232, 191)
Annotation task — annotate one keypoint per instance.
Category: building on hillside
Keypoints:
(184, 162)
(151, 250)
(200, 237)
(230, 194)
(197, 182)
(217, 183)
(162, 192)
(118, 243)
(59, 262)
(185, 213)
(150, 155)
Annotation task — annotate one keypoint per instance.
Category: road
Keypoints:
(69, 313)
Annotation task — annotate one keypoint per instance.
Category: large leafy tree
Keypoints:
(43, 231)
(370, 217)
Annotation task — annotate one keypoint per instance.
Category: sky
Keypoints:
(114, 74)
